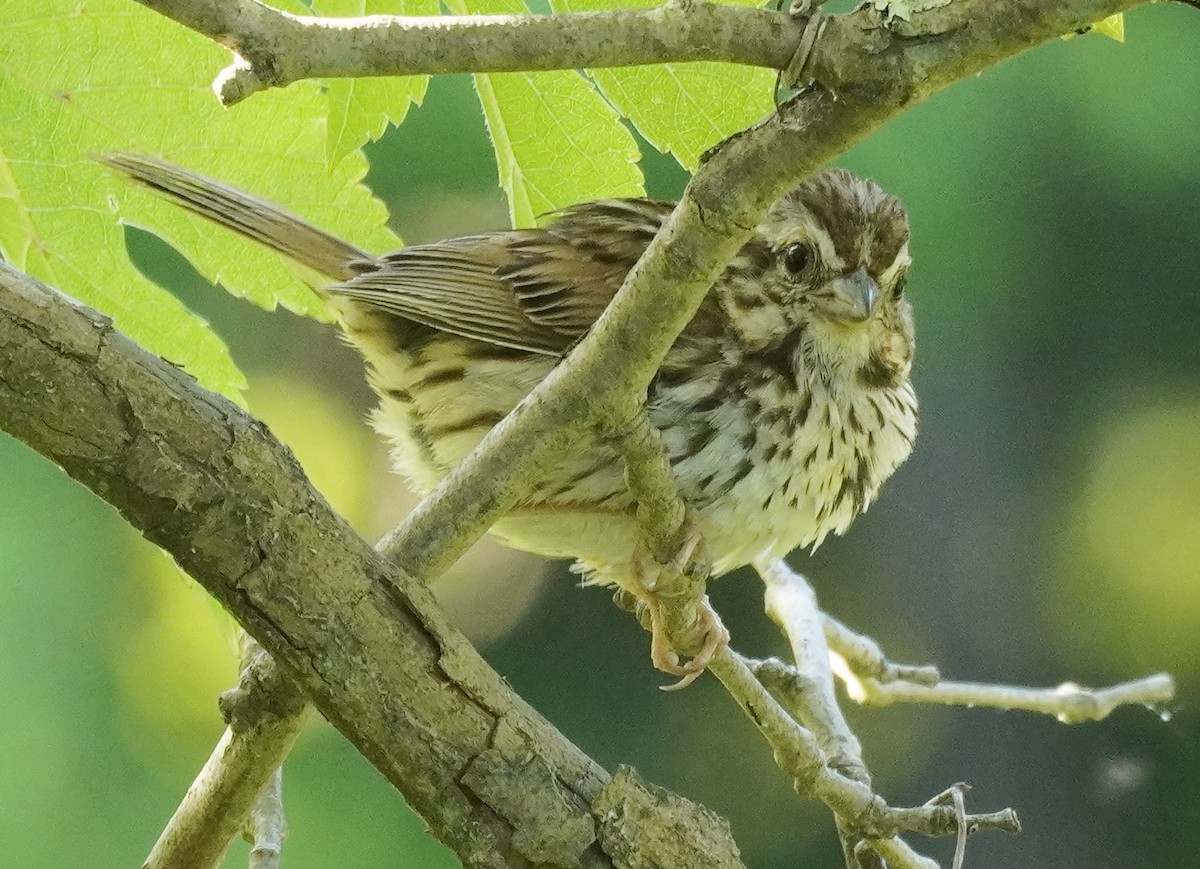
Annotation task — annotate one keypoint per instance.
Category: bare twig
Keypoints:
(267, 826)
(858, 654)
(807, 691)
(275, 48)
(791, 604)
(870, 678)
(265, 713)
(843, 786)
(898, 853)
(797, 751)
(1069, 703)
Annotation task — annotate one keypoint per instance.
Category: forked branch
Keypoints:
(367, 645)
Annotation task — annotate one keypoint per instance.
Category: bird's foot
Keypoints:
(689, 560)
(715, 636)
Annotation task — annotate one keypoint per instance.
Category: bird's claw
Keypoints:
(662, 653)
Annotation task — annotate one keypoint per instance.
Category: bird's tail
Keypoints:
(255, 218)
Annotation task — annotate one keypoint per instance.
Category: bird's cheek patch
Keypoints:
(758, 321)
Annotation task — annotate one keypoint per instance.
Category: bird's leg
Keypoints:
(689, 562)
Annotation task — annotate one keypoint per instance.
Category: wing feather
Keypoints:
(537, 290)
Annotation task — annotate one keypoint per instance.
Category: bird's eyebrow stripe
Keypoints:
(900, 262)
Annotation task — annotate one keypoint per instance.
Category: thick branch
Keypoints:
(368, 645)
(277, 48)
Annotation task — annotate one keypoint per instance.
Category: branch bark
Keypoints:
(368, 645)
(277, 48)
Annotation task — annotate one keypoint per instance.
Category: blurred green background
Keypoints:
(1047, 528)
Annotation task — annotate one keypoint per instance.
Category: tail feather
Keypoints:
(244, 213)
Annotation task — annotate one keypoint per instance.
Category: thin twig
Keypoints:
(791, 603)
(859, 654)
(960, 813)
(897, 853)
(870, 678)
(1069, 703)
(796, 750)
(267, 826)
(808, 692)
(265, 713)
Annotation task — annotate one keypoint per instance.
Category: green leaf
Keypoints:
(361, 108)
(84, 77)
(557, 141)
(683, 109)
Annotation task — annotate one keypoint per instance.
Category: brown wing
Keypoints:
(537, 290)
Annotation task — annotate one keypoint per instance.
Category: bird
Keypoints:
(783, 405)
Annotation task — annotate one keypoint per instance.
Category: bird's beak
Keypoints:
(856, 295)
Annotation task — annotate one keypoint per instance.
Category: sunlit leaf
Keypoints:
(557, 140)
(683, 108)
(97, 76)
(361, 108)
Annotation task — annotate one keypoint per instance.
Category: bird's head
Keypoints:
(824, 276)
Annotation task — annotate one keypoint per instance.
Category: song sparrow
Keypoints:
(784, 404)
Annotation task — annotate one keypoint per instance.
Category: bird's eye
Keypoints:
(901, 283)
(796, 258)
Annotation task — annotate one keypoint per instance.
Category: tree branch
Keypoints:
(1068, 702)
(856, 655)
(870, 678)
(797, 751)
(792, 604)
(368, 645)
(265, 714)
(276, 48)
